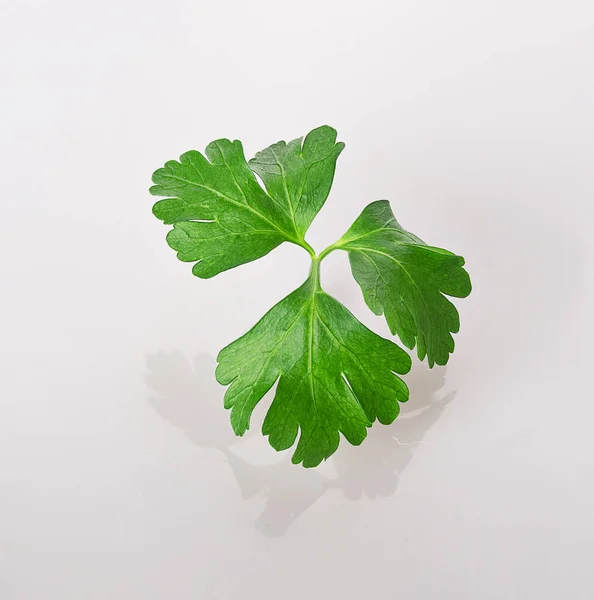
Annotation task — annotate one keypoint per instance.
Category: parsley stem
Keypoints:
(327, 251)
(305, 245)
(314, 273)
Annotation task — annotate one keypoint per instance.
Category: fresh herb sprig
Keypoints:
(334, 374)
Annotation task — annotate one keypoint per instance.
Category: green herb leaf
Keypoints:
(299, 175)
(405, 279)
(335, 375)
(221, 215)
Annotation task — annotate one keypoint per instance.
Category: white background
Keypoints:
(120, 478)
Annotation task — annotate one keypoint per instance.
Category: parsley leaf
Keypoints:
(223, 218)
(335, 375)
(299, 174)
(405, 279)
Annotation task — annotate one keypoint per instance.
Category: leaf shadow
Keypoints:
(187, 396)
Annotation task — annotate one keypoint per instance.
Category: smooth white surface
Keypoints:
(120, 478)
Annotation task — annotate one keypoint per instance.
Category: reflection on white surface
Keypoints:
(188, 396)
